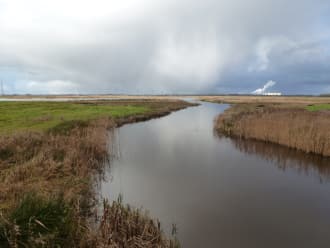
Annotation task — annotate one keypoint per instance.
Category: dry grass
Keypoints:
(51, 222)
(290, 126)
(50, 162)
(64, 157)
(64, 161)
(122, 226)
(267, 99)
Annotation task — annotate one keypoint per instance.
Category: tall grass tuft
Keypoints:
(124, 226)
(38, 222)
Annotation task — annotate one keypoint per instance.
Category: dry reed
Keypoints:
(122, 226)
(63, 162)
(234, 99)
(50, 162)
(289, 126)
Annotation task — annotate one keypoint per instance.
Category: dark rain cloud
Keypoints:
(169, 46)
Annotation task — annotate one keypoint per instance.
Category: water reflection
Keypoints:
(220, 192)
(285, 158)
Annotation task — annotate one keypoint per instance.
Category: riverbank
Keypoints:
(49, 154)
(301, 123)
(299, 100)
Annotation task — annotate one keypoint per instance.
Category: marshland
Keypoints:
(162, 172)
(164, 124)
(242, 192)
(50, 154)
(297, 122)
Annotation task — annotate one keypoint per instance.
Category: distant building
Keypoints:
(272, 94)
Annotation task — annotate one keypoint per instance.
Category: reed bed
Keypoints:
(123, 226)
(52, 222)
(52, 162)
(235, 99)
(289, 126)
(57, 167)
(66, 156)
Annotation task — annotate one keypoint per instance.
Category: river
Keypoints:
(220, 192)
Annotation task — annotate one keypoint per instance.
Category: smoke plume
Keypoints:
(264, 88)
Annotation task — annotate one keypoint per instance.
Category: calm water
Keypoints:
(221, 192)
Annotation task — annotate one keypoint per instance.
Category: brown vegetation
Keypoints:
(52, 162)
(286, 125)
(62, 162)
(52, 222)
(64, 157)
(267, 99)
(122, 226)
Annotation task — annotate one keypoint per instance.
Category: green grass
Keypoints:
(16, 116)
(38, 222)
(318, 107)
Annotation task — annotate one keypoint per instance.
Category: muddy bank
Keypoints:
(289, 125)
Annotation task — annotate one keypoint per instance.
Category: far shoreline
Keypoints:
(302, 123)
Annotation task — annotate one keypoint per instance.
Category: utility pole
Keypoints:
(2, 90)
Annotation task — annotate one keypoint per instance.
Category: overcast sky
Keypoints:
(164, 46)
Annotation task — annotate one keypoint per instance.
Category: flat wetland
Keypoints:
(298, 123)
(221, 191)
(235, 171)
(50, 155)
(16, 116)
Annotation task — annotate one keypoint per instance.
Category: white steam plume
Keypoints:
(264, 88)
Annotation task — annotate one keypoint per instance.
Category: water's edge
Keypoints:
(267, 195)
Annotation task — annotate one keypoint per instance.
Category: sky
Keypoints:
(164, 46)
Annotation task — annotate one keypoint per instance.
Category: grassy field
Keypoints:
(16, 116)
(49, 155)
(318, 107)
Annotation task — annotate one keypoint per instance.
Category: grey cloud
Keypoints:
(171, 46)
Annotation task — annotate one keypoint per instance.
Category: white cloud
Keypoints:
(196, 59)
(265, 47)
(48, 87)
(156, 45)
